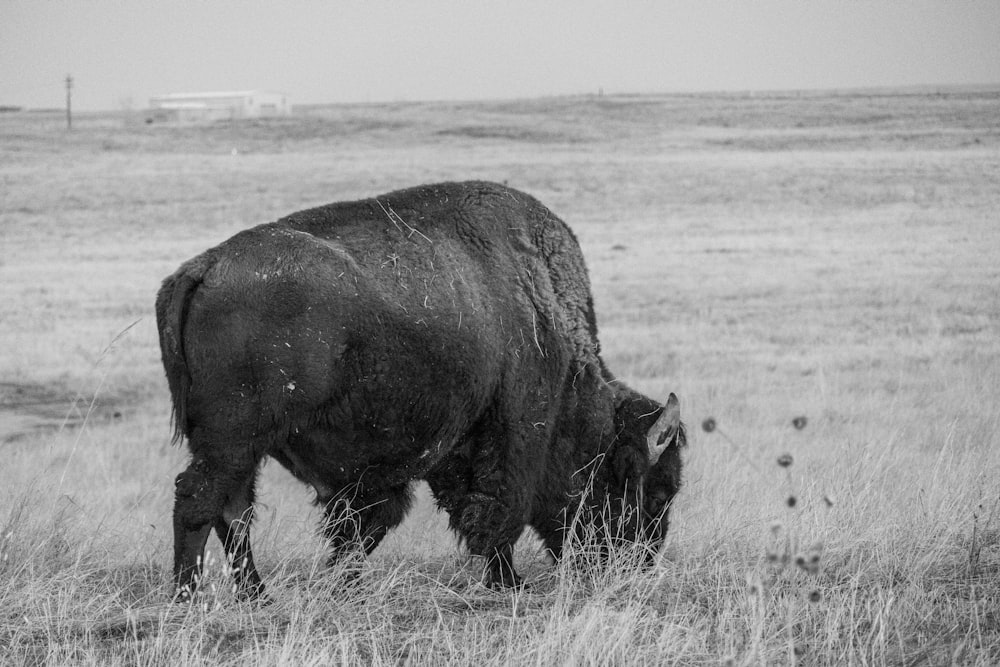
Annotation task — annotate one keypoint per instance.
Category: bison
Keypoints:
(443, 333)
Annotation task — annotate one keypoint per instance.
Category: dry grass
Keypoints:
(765, 258)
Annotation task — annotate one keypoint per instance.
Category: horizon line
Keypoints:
(901, 89)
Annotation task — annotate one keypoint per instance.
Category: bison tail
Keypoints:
(172, 303)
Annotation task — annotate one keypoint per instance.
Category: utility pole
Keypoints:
(69, 107)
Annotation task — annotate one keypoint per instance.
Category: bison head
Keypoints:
(642, 473)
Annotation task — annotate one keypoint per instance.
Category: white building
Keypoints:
(203, 107)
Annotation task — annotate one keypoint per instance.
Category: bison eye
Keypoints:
(657, 499)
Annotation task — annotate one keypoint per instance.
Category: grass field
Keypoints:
(835, 257)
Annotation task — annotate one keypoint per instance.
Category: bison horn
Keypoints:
(664, 430)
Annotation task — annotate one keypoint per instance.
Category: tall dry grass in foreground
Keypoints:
(901, 568)
(833, 258)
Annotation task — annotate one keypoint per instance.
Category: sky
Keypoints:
(122, 52)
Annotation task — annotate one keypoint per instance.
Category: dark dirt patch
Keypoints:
(508, 133)
(29, 408)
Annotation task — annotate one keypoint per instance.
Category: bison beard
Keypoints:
(444, 333)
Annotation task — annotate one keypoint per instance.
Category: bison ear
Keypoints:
(663, 433)
(628, 467)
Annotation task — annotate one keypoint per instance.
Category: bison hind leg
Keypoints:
(233, 529)
(216, 492)
(196, 507)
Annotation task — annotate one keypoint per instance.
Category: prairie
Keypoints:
(828, 256)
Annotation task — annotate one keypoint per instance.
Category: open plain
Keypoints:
(771, 257)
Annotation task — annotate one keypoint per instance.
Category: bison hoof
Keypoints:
(183, 596)
(506, 581)
(259, 600)
(254, 595)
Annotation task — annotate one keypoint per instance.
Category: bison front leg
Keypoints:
(358, 523)
(485, 505)
(500, 569)
(490, 527)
